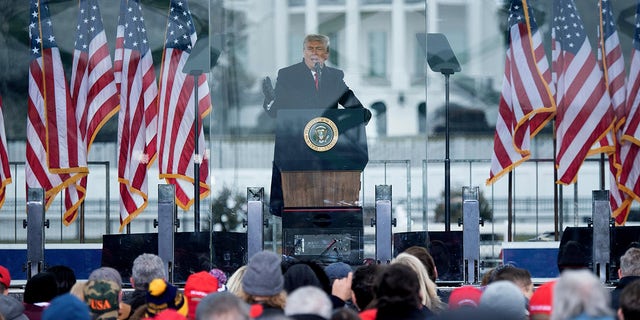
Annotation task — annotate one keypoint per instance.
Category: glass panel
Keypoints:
(377, 45)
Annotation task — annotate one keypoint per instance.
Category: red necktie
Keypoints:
(315, 77)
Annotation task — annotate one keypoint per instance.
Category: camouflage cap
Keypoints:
(102, 297)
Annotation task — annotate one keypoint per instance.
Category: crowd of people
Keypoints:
(270, 288)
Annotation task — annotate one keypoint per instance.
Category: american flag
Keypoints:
(56, 154)
(584, 114)
(612, 62)
(5, 170)
(138, 113)
(630, 173)
(93, 89)
(526, 103)
(177, 114)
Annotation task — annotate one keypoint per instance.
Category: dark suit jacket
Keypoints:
(295, 89)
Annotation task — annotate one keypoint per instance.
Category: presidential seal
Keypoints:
(321, 134)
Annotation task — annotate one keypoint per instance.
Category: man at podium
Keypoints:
(309, 84)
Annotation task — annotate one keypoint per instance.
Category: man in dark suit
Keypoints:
(309, 84)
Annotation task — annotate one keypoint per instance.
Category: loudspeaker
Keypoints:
(119, 250)
(581, 239)
(192, 252)
(229, 250)
(444, 246)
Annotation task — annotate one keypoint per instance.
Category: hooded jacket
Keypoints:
(11, 308)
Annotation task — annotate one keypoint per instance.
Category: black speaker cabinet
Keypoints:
(444, 246)
(581, 238)
(192, 252)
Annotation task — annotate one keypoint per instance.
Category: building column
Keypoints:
(399, 76)
(476, 39)
(352, 36)
(311, 16)
(281, 33)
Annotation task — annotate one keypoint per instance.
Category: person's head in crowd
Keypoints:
(169, 314)
(38, 292)
(362, 285)
(572, 256)
(65, 277)
(5, 280)
(300, 275)
(345, 314)
(162, 295)
(10, 307)
(42, 287)
(221, 276)
(521, 277)
(234, 284)
(428, 289)
(630, 263)
(78, 289)
(263, 281)
(427, 260)
(198, 286)
(541, 302)
(66, 307)
(487, 277)
(103, 298)
(318, 270)
(580, 293)
(630, 302)
(308, 301)
(146, 267)
(397, 291)
(464, 297)
(106, 274)
(337, 270)
(504, 300)
(223, 306)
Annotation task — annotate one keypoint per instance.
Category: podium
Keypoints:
(321, 154)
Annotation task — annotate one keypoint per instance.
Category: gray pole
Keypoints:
(447, 161)
(196, 163)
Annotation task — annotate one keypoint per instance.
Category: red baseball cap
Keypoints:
(464, 296)
(198, 286)
(542, 299)
(5, 276)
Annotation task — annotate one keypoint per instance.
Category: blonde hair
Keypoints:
(78, 289)
(428, 289)
(234, 285)
(278, 301)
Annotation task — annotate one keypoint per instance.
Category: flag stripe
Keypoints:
(526, 102)
(138, 114)
(5, 170)
(56, 156)
(176, 146)
(584, 114)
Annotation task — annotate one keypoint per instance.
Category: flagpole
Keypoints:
(510, 208)
(196, 162)
(602, 171)
(555, 186)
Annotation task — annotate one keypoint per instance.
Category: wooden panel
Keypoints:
(321, 188)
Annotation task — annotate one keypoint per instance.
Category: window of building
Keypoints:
(377, 50)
